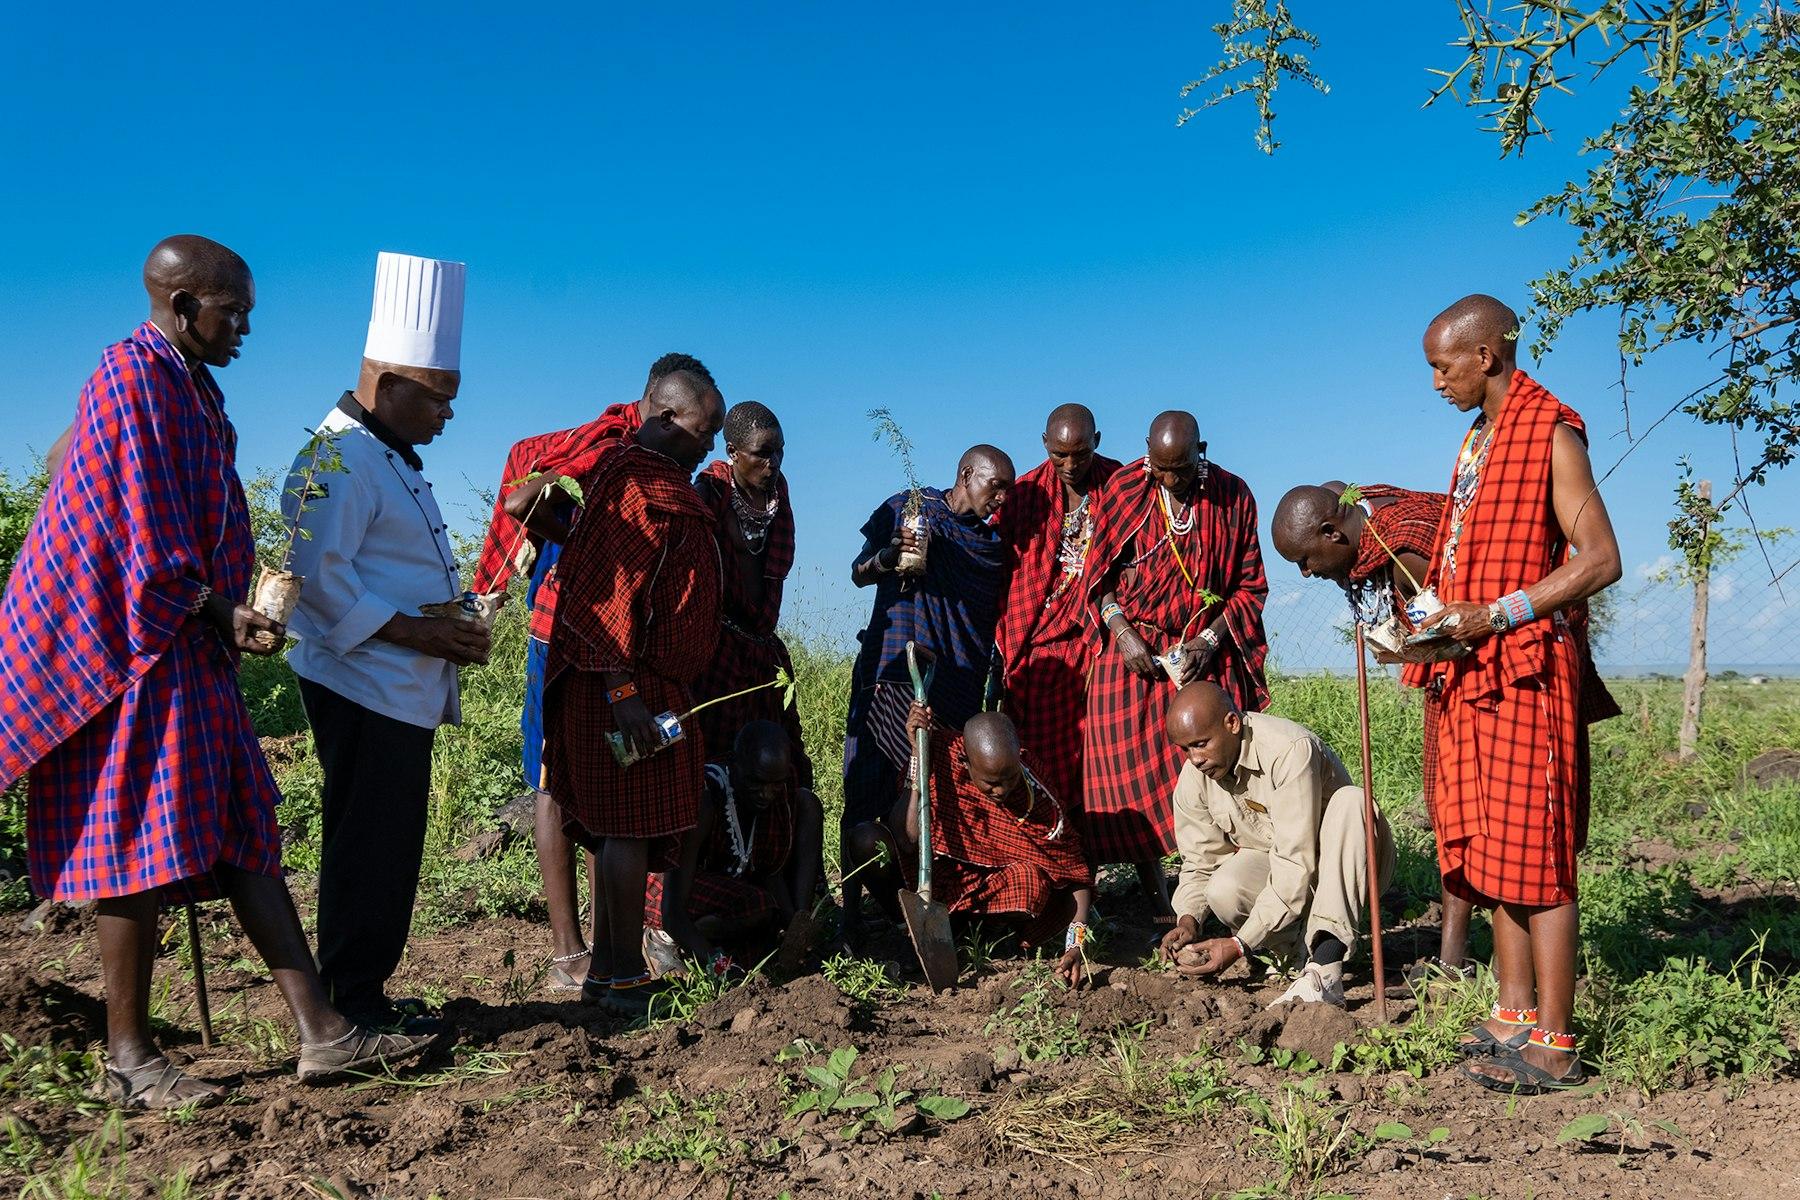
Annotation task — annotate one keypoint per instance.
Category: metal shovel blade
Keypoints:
(929, 924)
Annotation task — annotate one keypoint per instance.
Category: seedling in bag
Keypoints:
(278, 591)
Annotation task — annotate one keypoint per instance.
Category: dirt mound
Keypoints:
(1774, 768)
(1315, 1029)
(39, 1011)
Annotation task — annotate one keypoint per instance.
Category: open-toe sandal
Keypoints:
(1480, 1041)
(1524, 1077)
(359, 1051)
(158, 1084)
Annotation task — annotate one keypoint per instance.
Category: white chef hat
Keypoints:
(417, 318)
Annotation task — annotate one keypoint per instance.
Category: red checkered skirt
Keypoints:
(1046, 696)
(159, 788)
(1022, 893)
(1433, 714)
(656, 798)
(716, 892)
(1512, 786)
(1130, 767)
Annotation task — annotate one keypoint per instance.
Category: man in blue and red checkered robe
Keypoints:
(123, 623)
(948, 609)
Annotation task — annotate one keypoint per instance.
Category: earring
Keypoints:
(181, 323)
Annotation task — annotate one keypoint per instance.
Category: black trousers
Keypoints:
(377, 784)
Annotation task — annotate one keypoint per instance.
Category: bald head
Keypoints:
(1472, 347)
(1070, 439)
(1479, 320)
(1173, 452)
(1206, 725)
(1072, 421)
(1316, 532)
(201, 294)
(984, 477)
(989, 738)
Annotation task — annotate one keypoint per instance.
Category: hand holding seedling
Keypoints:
(636, 725)
(244, 627)
(1071, 968)
(1139, 659)
(1465, 622)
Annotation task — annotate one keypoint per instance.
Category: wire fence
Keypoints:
(1641, 625)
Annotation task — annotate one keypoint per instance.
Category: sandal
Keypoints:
(1526, 1077)
(561, 980)
(1480, 1041)
(359, 1050)
(1432, 969)
(158, 1084)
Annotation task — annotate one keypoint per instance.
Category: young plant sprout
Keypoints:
(278, 590)
(887, 429)
(524, 555)
(670, 727)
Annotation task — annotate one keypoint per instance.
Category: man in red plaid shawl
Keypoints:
(1045, 645)
(751, 862)
(1378, 549)
(635, 624)
(748, 496)
(529, 525)
(123, 625)
(1175, 578)
(1524, 541)
(1003, 846)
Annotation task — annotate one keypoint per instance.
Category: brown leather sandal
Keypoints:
(158, 1084)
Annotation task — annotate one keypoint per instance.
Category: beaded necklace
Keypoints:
(1469, 461)
(754, 522)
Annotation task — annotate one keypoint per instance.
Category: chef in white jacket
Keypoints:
(377, 678)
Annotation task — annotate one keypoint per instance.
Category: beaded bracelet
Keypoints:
(1109, 611)
(1517, 606)
(200, 600)
(624, 691)
(1076, 936)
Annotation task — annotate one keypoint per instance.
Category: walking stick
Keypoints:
(193, 924)
(1370, 838)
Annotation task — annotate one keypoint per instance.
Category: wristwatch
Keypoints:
(1498, 621)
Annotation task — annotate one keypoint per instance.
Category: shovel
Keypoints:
(1372, 839)
(927, 921)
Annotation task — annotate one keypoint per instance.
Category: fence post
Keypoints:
(1693, 684)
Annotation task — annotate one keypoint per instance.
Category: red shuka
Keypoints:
(1130, 769)
(641, 597)
(750, 650)
(716, 891)
(1044, 641)
(1512, 738)
(988, 862)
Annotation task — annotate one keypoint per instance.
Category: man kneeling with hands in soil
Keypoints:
(1003, 847)
(1272, 843)
(751, 864)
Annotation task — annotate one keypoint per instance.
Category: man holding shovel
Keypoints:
(947, 607)
(123, 622)
(1273, 844)
(1003, 847)
(378, 677)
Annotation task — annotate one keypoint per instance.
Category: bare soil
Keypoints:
(566, 1081)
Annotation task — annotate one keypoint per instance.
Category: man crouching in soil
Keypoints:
(1272, 843)
(748, 868)
(1003, 849)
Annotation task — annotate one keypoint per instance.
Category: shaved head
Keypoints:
(991, 739)
(1303, 510)
(1174, 432)
(984, 477)
(189, 262)
(1074, 422)
(1472, 347)
(683, 413)
(1479, 320)
(1207, 726)
(201, 294)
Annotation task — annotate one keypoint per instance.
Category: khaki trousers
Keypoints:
(1340, 898)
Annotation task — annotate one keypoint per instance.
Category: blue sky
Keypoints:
(968, 214)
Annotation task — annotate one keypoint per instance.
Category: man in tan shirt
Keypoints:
(1272, 843)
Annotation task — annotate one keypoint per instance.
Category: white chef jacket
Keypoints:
(377, 547)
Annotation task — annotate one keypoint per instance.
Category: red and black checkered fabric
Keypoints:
(750, 651)
(1407, 522)
(1512, 767)
(1045, 642)
(1130, 767)
(988, 862)
(124, 706)
(571, 452)
(715, 891)
(640, 597)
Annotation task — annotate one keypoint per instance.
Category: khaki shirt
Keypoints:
(1275, 802)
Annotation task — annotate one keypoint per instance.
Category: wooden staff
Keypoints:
(193, 924)
(1371, 833)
